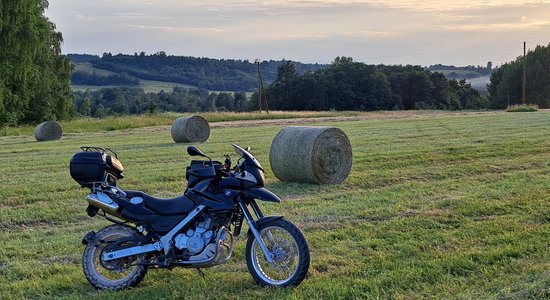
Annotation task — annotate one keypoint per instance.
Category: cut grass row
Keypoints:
(451, 206)
(80, 125)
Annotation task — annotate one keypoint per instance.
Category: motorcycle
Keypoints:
(194, 230)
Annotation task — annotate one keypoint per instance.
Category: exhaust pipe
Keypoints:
(103, 202)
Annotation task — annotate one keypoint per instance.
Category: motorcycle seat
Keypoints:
(169, 206)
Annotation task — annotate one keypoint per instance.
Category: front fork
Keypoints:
(252, 225)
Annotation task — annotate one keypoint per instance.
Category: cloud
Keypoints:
(172, 29)
(84, 18)
(443, 6)
(371, 34)
(376, 31)
(499, 27)
(130, 15)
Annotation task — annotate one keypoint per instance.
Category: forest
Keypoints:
(349, 85)
(205, 73)
(85, 78)
(344, 85)
(128, 100)
(506, 87)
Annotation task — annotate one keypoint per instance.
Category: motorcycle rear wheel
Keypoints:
(289, 250)
(117, 274)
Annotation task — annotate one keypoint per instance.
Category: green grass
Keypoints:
(81, 125)
(436, 206)
(149, 86)
(88, 68)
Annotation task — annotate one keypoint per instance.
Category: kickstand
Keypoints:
(200, 272)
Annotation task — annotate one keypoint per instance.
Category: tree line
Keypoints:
(34, 76)
(349, 85)
(204, 73)
(85, 78)
(345, 85)
(485, 70)
(506, 87)
(127, 100)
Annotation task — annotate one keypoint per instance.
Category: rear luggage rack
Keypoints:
(98, 149)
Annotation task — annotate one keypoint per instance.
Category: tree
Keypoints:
(225, 102)
(286, 75)
(86, 107)
(240, 101)
(418, 88)
(34, 76)
(153, 107)
(120, 105)
(441, 91)
(101, 111)
(380, 92)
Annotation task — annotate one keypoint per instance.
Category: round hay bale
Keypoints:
(190, 129)
(311, 154)
(48, 131)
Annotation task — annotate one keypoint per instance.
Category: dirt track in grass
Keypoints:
(301, 121)
(363, 116)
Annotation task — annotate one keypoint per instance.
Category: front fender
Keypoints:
(263, 221)
(261, 194)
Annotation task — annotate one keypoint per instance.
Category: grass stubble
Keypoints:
(436, 206)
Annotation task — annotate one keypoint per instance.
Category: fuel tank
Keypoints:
(212, 196)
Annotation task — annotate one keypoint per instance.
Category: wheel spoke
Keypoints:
(283, 248)
(269, 237)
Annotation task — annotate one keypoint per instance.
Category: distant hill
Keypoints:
(206, 73)
(466, 72)
(477, 76)
(159, 71)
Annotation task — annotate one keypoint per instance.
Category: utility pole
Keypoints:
(260, 84)
(508, 94)
(524, 73)
(261, 100)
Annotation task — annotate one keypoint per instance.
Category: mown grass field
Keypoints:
(436, 206)
(82, 125)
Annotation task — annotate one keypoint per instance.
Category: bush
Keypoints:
(522, 108)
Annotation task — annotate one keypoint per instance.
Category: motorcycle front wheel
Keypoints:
(116, 274)
(289, 251)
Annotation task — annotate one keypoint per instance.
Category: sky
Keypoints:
(461, 32)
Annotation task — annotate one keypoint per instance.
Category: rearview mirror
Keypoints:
(194, 151)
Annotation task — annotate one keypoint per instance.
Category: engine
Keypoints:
(194, 240)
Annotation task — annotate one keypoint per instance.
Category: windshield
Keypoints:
(249, 158)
